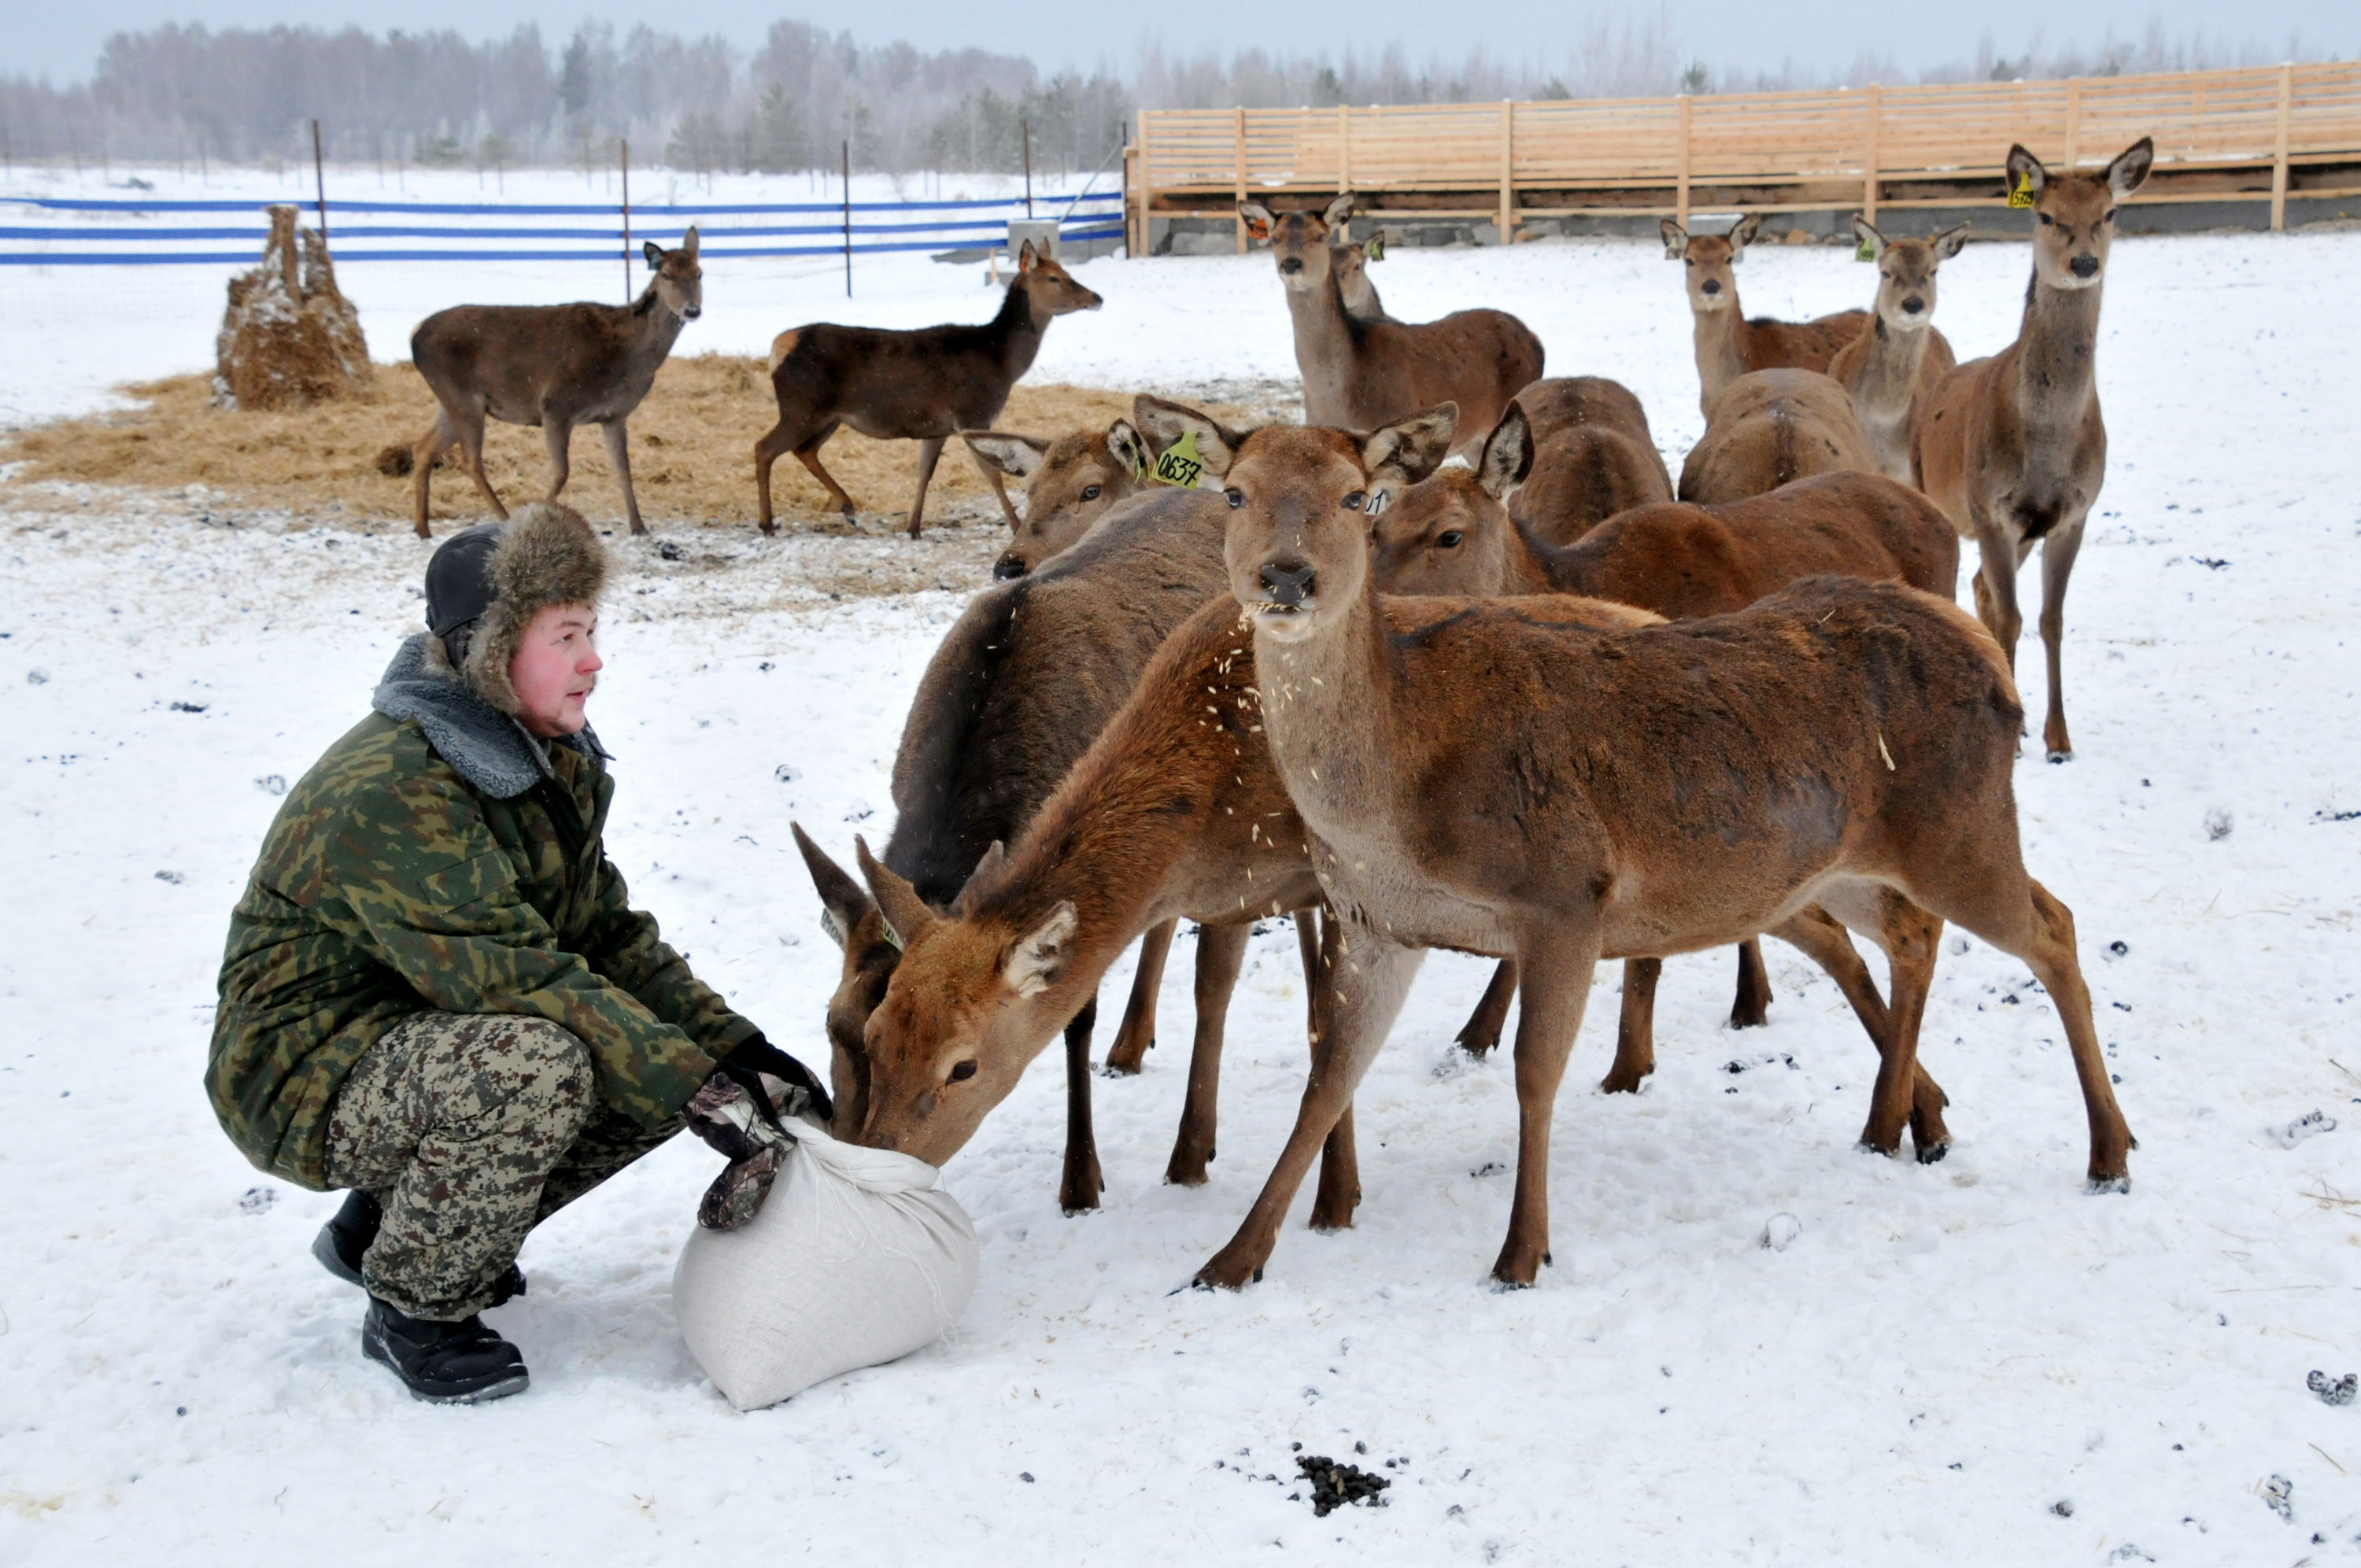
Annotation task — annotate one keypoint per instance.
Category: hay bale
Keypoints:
(290, 337)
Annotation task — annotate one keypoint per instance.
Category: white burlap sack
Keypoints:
(853, 1260)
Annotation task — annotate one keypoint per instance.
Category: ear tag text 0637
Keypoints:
(1181, 464)
(2023, 196)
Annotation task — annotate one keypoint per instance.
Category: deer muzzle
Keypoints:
(2085, 266)
(1286, 584)
(1010, 566)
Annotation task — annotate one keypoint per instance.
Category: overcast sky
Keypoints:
(61, 41)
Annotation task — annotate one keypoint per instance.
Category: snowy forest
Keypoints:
(436, 99)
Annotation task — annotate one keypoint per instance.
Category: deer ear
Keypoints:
(1014, 456)
(1027, 259)
(2025, 174)
(1258, 217)
(1038, 960)
(1340, 212)
(1947, 244)
(906, 916)
(981, 877)
(1127, 447)
(1167, 422)
(1676, 239)
(1866, 233)
(654, 253)
(689, 244)
(1413, 446)
(1507, 455)
(1742, 232)
(842, 903)
(2129, 170)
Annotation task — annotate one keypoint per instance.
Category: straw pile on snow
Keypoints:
(288, 338)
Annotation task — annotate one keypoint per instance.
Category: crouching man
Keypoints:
(436, 993)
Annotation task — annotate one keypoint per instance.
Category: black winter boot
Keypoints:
(345, 1239)
(444, 1363)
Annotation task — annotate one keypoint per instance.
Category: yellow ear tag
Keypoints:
(1376, 249)
(2023, 196)
(1865, 252)
(1181, 464)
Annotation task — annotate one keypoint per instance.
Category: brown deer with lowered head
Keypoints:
(1592, 456)
(1360, 374)
(1450, 534)
(1771, 428)
(554, 365)
(1498, 778)
(1728, 344)
(1070, 483)
(923, 385)
(2013, 448)
(1899, 357)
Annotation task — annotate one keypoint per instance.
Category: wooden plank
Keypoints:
(2280, 165)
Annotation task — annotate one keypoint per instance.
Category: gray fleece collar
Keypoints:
(491, 750)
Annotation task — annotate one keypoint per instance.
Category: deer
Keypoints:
(1361, 374)
(1499, 777)
(1890, 369)
(1592, 456)
(554, 365)
(1771, 428)
(2013, 448)
(923, 385)
(1450, 534)
(1021, 684)
(1728, 344)
(1351, 262)
(1071, 481)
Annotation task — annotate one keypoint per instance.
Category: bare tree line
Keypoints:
(244, 95)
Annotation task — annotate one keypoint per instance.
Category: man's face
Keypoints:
(557, 668)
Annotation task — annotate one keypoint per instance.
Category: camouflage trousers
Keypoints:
(470, 1129)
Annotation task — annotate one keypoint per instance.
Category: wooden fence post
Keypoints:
(1240, 123)
(1344, 150)
(1683, 200)
(1147, 194)
(2073, 122)
(2280, 163)
(1508, 171)
(1869, 168)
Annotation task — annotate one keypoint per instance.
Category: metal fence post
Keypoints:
(847, 218)
(626, 144)
(320, 183)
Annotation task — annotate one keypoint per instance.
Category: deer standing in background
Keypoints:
(2013, 448)
(1890, 369)
(1358, 374)
(1771, 428)
(923, 385)
(554, 365)
(1593, 455)
(1728, 344)
(1070, 483)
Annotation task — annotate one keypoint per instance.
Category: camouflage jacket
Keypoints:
(437, 857)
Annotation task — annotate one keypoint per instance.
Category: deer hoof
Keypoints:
(2064, 756)
(1621, 1082)
(1932, 1154)
(2108, 1184)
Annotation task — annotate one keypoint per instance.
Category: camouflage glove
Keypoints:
(740, 1125)
(759, 1056)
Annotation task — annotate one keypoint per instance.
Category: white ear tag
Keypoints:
(1379, 500)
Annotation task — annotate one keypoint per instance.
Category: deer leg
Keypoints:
(1365, 991)
(1482, 1030)
(471, 449)
(1339, 1192)
(1752, 1009)
(999, 487)
(1910, 937)
(1635, 1030)
(1996, 587)
(809, 455)
(1555, 986)
(2059, 549)
(1221, 951)
(930, 450)
(766, 451)
(1080, 1184)
(558, 435)
(1823, 939)
(619, 453)
(424, 453)
(2056, 965)
(1137, 1038)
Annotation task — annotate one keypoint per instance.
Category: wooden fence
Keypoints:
(2260, 134)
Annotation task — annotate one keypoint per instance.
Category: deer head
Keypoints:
(944, 1046)
(1069, 484)
(1051, 287)
(1350, 263)
(2074, 214)
(1449, 533)
(679, 283)
(1708, 258)
(850, 918)
(1905, 272)
(1299, 241)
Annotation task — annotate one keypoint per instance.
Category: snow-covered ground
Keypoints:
(1972, 1362)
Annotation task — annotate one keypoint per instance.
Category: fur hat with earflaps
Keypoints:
(485, 584)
